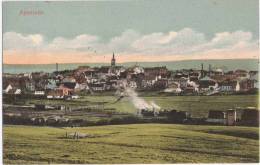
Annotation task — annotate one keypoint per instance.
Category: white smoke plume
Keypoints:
(140, 103)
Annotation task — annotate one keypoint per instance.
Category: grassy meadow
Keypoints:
(136, 143)
(198, 106)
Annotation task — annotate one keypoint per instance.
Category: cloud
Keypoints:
(181, 42)
(81, 42)
(13, 40)
(186, 43)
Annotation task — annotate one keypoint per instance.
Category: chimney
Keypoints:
(202, 71)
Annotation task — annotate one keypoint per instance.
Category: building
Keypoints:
(216, 117)
(207, 84)
(247, 84)
(157, 71)
(7, 88)
(113, 64)
(250, 117)
(55, 94)
(113, 61)
(228, 117)
(227, 86)
(97, 87)
(231, 117)
(39, 93)
(241, 73)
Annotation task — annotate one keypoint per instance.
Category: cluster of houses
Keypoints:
(85, 79)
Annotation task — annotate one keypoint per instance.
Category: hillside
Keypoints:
(137, 143)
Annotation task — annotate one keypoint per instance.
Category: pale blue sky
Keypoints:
(136, 30)
(107, 19)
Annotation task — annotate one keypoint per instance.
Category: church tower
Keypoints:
(113, 61)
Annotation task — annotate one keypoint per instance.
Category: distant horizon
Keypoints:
(108, 62)
(225, 64)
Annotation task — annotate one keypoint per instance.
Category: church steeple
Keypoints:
(113, 61)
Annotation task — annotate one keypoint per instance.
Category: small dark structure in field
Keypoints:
(231, 117)
(216, 117)
(250, 117)
(177, 116)
(171, 115)
(222, 117)
(147, 113)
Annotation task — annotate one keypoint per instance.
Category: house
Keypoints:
(18, 92)
(194, 79)
(254, 77)
(253, 74)
(97, 87)
(183, 81)
(160, 84)
(66, 91)
(30, 85)
(148, 81)
(217, 72)
(247, 84)
(132, 84)
(104, 69)
(173, 87)
(179, 75)
(59, 93)
(227, 86)
(12, 89)
(75, 96)
(163, 71)
(81, 87)
(189, 90)
(39, 93)
(69, 85)
(51, 84)
(137, 70)
(80, 78)
(241, 73)
(55, 94)
(69, 80)
(7, 88)
(207, 84)
(110, 85)
(82, 69)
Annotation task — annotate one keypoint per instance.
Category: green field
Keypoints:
(198, 106)
(137, 143)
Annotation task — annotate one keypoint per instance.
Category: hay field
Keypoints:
(136, 143)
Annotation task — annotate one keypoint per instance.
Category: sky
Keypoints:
(136, 30)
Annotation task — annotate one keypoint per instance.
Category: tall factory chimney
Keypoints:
(209, 69)
(202, 71)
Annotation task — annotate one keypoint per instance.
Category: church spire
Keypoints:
(113, 60)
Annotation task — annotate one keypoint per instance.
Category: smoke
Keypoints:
(155, 106)
(140, 103)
